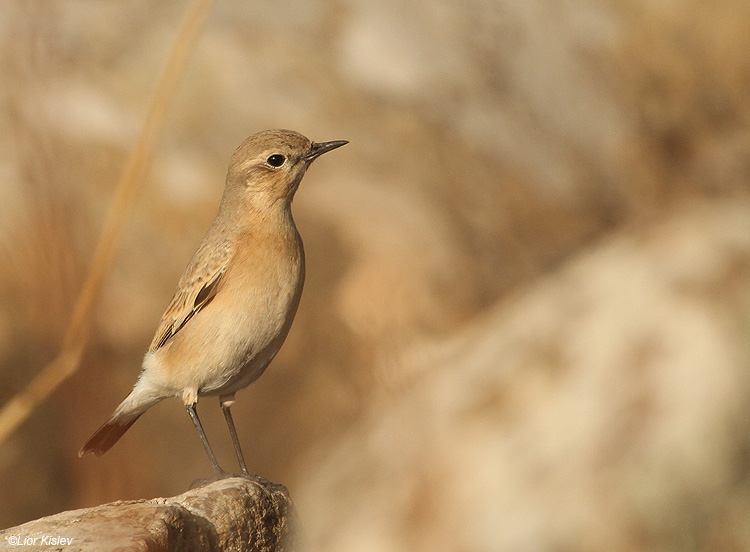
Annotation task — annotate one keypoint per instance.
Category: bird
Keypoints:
(237, 298)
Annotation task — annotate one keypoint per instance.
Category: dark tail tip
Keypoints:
(105, 437)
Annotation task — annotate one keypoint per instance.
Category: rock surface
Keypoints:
(231, 514)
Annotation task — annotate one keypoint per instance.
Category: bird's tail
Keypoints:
(106, 436)
(124, 417)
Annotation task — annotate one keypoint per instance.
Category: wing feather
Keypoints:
(196, 289)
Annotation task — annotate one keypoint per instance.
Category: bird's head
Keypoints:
(268, 167)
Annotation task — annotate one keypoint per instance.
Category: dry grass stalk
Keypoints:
(20, 407)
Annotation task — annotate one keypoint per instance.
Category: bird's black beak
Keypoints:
(319, 148)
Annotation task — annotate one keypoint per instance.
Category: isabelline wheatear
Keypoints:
(236, 301)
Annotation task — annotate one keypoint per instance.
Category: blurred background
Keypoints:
(526, 321)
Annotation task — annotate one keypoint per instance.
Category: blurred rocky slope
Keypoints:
(602, 408)
(526, 312)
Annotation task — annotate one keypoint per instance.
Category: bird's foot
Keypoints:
(218, 475)
(259, 480)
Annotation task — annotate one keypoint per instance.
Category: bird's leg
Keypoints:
(226, 402)
(202, 434)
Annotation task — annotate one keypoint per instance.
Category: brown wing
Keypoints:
(195, 290)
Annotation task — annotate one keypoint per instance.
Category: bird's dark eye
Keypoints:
(276, 160)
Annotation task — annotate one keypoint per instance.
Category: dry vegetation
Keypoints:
(527, 315)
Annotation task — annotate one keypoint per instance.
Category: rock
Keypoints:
(235, 514)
